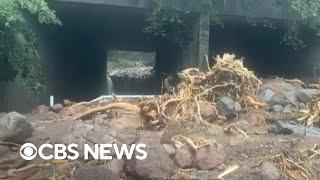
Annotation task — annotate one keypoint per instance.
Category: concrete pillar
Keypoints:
(204, 33)
(3, 102)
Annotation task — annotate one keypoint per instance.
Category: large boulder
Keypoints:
(15, 128)
(157, 165)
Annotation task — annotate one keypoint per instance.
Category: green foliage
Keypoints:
(303, 12)
(167, 25)
(308, 12)
(18, 43)
(170, 23)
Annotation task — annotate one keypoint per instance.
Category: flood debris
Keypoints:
(222, 123)
(227, 79)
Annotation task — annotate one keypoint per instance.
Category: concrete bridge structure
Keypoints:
(75, 54)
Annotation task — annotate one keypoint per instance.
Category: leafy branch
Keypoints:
(18, 43)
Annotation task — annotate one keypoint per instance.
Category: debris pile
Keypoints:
(223, 123)
(227, 78)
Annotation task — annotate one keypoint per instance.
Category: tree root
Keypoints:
(116, 105)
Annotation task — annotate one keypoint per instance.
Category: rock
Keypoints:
(173, 128)
(157, 165)
(127, 136)
(171, 150)
(107, 139)
(15, 128)
(266, 95)
(251, 118)
(243, 124)
(56, 108)
(288, 109)
(214, 130)
(271, 128)
(305, 95)
(209, 157)
(41, 109)
(237, 106)
(183, 157)
(226, 106)
(69, 111)
(3, 174)
(194, 174)
(4, 150)
(285, 127)
(277, 108)
(279, 99)
(116, 166)
(208, 110)
(100, 173)
(269, 171)
(277, 85)
(285, 93)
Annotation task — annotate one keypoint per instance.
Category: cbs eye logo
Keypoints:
(28, 151)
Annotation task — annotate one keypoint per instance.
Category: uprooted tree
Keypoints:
(18, 43)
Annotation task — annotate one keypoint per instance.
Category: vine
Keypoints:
(306, 13)
(168, 22)
(18, 43)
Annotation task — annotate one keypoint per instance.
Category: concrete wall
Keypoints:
(14, 97)
(257, 8)
(124, 3)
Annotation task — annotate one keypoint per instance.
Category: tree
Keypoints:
(18, 43)
(166, 22)
(303, 12)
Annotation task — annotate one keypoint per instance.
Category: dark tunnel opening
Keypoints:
(75, 53)
(263, 50)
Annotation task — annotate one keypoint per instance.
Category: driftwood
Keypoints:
(115, 105)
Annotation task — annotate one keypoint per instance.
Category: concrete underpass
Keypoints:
(75, 54)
